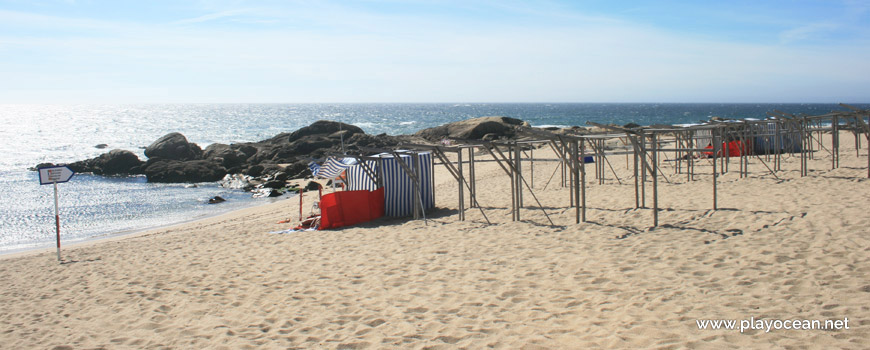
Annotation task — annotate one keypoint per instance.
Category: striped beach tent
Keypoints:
(399, 188)
(332, 168)
(358, 179)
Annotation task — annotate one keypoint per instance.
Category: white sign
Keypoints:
(55, 174)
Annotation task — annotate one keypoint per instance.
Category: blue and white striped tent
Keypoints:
(332, 168)
(398, 186)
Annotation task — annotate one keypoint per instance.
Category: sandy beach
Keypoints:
(786, 248)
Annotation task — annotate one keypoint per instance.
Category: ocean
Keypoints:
(94, 206)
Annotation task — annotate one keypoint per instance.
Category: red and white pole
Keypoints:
(57, 220)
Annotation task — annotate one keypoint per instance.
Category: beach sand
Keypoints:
(778, 249)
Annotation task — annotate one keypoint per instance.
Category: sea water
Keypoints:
(95, 206)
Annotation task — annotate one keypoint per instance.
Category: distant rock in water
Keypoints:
(175, 171)
(228, 156)
(115, 162)
(473, 129)
(173, 146)
(310, 141)
(172, 158)
(216, 200)
(101, 146)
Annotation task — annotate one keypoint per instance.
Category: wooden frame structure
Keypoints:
(783, 135)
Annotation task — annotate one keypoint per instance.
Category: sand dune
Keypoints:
(778, 249)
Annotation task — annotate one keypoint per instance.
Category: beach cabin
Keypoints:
(401, 195)
(773, 138)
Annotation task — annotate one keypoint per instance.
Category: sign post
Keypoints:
(55, 175)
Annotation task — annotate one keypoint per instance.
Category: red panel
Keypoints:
(347, 208)
(735, 148)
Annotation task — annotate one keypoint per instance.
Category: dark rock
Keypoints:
(298, 170)
(173, 146)
(224, 155)
(308, 146)
(325, 128)
(358, 141)
(312, 186)
(267, 192)
(271, 169)
(42, 165)
(165, 170)
(101, 146)
(473, 129)
(115, 162)
(631, 126)
(254, 170)
(216, 200)
(246, 149)
(310, 141)
(235, 170)
(280, 176)
(119, 162)
(276, 184)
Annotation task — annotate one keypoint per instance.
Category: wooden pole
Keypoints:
(573, 158)
(691, 165)
(716, 146)
(513, 186)
(740, 135)
(583, 181)
(576, 178)
(655, 180)
(461, 189)
(563, 164)
(603, 162)
(642, 140)
(532, 166)
(857, 139)
(636, 187)
(726, 157)
(519, 157)
(835, 142)
(418, 199)
(473, 188)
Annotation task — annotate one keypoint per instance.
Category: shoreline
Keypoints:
(119, 235)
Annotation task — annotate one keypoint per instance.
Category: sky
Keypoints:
(419, 51)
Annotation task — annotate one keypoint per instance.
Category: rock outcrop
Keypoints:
(270, 162)
(473, 129)
(174, 171)
(115, 162)
(173, 146)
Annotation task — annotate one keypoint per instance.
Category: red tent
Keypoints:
(735, 149)
(347, 208)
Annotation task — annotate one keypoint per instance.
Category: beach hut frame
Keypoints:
(792, 136)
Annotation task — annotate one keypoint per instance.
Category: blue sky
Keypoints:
(80, 51)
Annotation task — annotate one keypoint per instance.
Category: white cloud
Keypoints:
(808, 31)
(210, 17)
